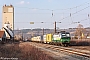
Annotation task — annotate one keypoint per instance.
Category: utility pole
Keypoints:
(55, 27)
(43, 31)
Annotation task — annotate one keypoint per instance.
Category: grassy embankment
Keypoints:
(25, 52)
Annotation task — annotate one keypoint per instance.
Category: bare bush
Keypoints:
(26, 52)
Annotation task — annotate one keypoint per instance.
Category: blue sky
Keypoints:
(38, 11)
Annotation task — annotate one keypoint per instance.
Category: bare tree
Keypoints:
(80, 32)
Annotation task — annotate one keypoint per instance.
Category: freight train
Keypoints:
(61, 38)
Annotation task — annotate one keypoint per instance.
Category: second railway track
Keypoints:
(77, 52)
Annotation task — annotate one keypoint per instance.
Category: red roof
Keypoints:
(1, 34)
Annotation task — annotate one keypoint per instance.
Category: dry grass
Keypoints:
(26, 52)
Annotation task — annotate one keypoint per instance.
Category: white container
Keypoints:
(44, 38)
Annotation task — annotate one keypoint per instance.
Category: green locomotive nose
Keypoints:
(65, 40)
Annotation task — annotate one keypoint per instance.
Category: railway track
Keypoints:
(77, 52)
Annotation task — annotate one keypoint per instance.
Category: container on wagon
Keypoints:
(44, 38)
(49, 38)
(39, 38)
(34, 38)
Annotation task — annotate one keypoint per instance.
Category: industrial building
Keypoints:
(8, 15)
(7, 22)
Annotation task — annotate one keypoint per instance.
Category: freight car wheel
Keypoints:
(62, 44)
(66, 45)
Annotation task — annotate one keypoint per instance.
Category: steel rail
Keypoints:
(64, 49)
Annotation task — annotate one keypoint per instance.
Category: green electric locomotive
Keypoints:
(62, 38)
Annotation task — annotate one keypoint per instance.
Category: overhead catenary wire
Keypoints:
(85, 3)
(74, 13)
(77, 12)
(71, 14)
(78, 22)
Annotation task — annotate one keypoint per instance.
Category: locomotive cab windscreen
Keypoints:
(65, 34)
